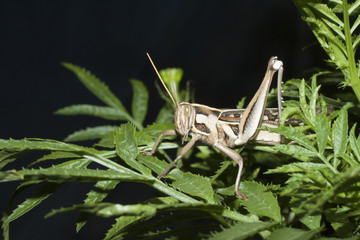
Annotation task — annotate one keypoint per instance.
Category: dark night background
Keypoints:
(223, 47)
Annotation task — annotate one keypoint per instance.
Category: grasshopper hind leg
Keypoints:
(239, 160)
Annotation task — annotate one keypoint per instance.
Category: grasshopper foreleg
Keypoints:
(170, 132)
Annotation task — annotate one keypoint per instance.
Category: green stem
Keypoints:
(354, 78)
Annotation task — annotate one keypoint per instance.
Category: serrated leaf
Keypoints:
(321, 130)
(339, 135)
(109, 209)
(127, 149)
(42, 144)
(295, 150)
(154, 164)
(354, 144)
(241, 231)
(37, 196)
(261, 202)
(142, 138)
(109, 113)
(194, 185)
(56, 155)
(60, 174)
(7, 157)
(96, 195)
(311, 221)
(156, 129)
(125, 142)
(145, 210)
(293, 234)
(140, 100)
(302, 100)
(165, 115)
(94, 85)
(107, 141)
(89, 133)
(120, 224)
(297, 167)
(312, 102)
(294, 134)
(289, 112)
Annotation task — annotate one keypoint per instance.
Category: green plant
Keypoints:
(310, 190)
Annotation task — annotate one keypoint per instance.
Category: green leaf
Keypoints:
(120, 223)
(94, 85)
(109, 113)
(241, 103)
(321, 129)
(155, 164)
(56, 155)
(166, 115)
(107, 141)
(293, 234)
(313, 100)
(302, 99)
(312, 221)
(294, 134)
(89, 133)
(241, 231)
(60, 174)
(156, 129)
(139, 101)
(96, 195)
(295, 150)
(142, 138)
(37, 196)
(339, 135)
(354, 144)
(6, 157)
(261, 201)
(297, 167)
(42, 144)
(172, 74)
(289, 112)
(126, 147)
(109, 210)
(194, 185)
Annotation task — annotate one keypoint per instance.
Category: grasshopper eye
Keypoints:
(187, 110)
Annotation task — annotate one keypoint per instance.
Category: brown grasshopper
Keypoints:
(226, 128)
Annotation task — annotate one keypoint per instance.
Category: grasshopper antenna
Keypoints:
(162, 81)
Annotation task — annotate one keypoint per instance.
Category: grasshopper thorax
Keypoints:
(184, 118)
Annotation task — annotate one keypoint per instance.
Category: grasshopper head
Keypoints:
(184, 118)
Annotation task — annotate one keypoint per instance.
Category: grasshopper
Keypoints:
(226, 128)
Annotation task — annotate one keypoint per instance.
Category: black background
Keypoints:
(223, 47)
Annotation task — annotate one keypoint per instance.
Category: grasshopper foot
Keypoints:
(240, 195)
(147, 153)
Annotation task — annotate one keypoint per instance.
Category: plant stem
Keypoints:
(354, 78)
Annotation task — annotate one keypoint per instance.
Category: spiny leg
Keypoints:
(238, 159)
(183, 151)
